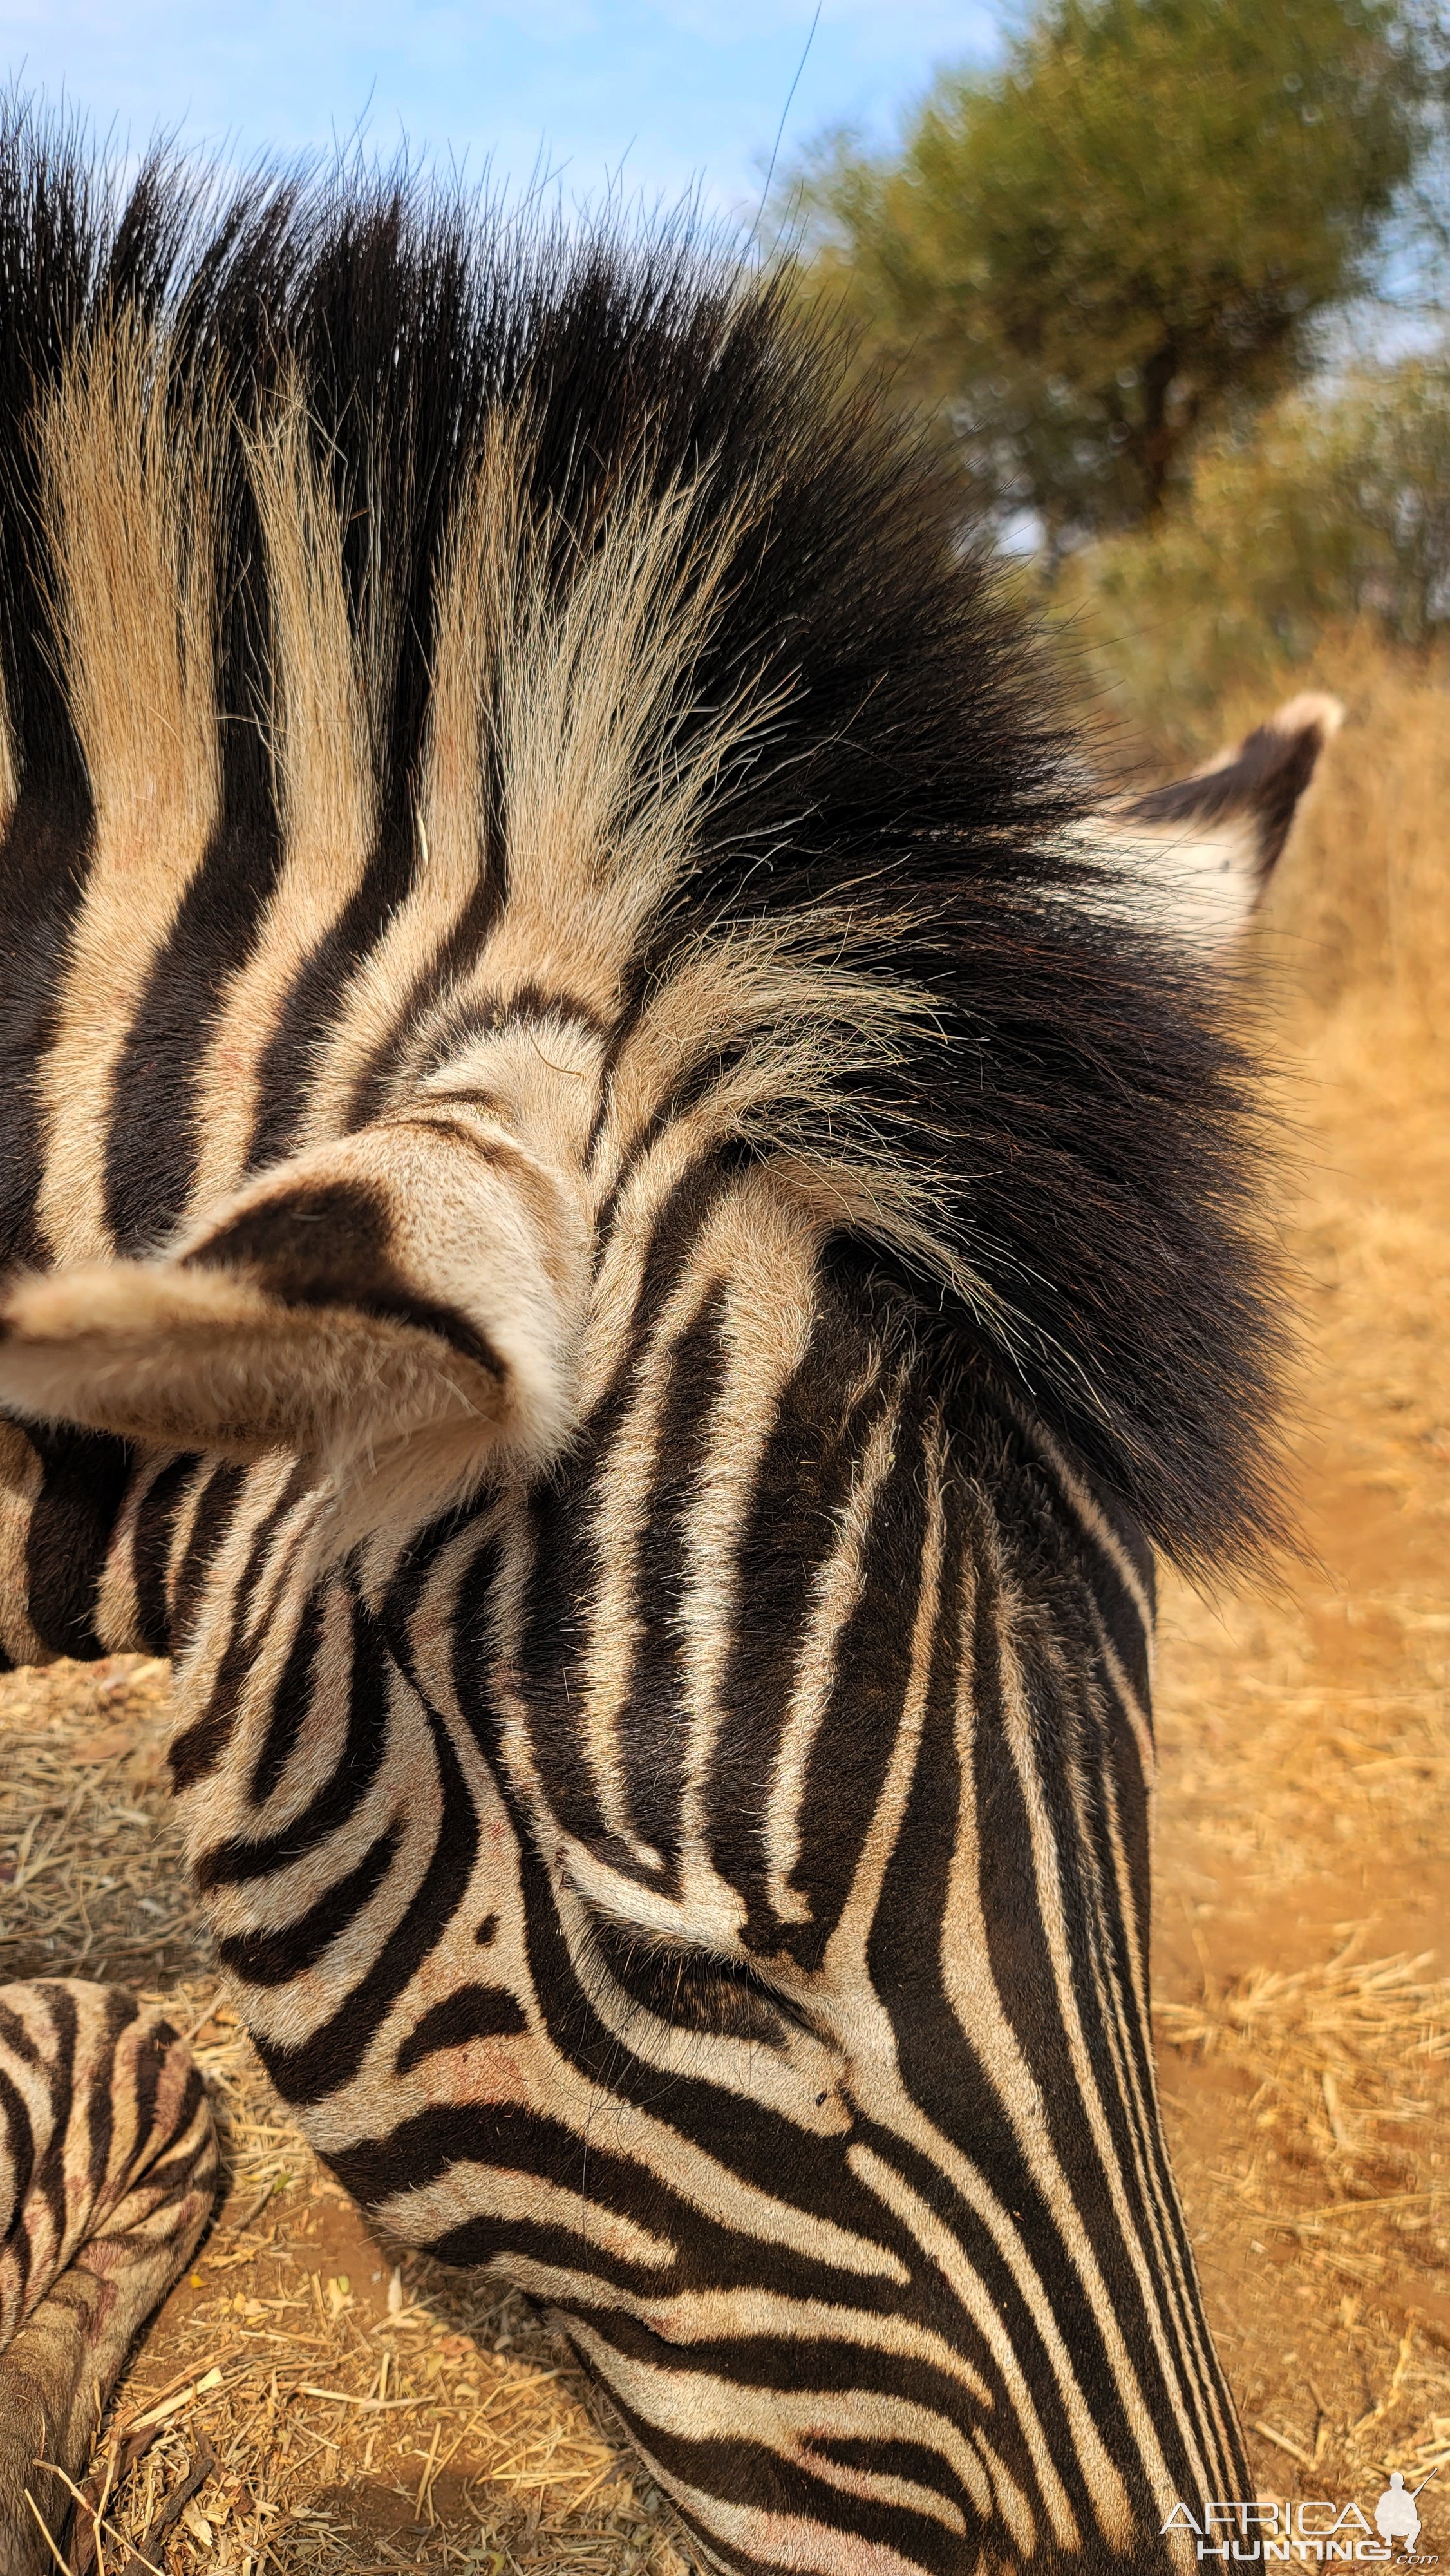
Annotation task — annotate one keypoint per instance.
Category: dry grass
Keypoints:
(364, 2408)
(1303, 1906)
(364, 2415)
(1317, 2045)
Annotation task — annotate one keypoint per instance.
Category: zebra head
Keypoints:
(704, 1879)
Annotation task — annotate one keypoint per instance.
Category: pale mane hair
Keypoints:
(458, 669)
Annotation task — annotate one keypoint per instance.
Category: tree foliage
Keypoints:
(1335, 514)
(1127, 231)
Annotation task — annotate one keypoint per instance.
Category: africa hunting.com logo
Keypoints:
(1270, 2527)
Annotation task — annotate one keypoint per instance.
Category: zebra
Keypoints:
(612, 1249)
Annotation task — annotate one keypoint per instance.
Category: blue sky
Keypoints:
(674, 93)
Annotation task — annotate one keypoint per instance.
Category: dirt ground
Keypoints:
(362, 2416)
(1302, 1963)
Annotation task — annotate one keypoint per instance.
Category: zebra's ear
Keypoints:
(402, 1306)
(1202, 850)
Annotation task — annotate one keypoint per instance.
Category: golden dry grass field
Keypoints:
(305, 2404)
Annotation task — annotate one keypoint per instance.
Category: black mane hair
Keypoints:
(1079, 1105)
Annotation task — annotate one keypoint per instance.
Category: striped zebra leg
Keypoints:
(108, 2170)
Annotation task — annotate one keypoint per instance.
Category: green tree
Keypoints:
(1334, 515)
(1128, 231)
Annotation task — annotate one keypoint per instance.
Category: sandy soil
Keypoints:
(363, 2416)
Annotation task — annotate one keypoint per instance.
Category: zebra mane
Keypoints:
(352, 526)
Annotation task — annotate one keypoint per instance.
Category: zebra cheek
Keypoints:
(485, 2071)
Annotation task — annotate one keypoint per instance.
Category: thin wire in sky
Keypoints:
(784, 113)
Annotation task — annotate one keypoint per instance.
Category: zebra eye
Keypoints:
(693, 1989)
